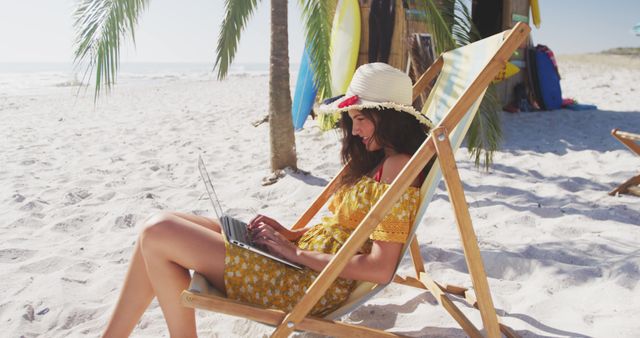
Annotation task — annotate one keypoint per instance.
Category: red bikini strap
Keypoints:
(378, 175)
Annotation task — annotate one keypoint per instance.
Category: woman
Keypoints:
(380, 133)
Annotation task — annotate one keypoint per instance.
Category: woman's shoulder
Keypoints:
(392, 166)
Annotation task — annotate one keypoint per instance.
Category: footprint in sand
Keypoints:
(126, 221)
(26, 222)
(75, 195)
(33, 206)
(15, 255)
(70, 225)
(77, 317)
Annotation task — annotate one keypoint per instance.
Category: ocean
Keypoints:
(22, 78)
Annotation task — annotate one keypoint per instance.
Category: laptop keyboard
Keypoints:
(238, 230)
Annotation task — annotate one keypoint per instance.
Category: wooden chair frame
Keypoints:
(630, 140)
(437, 144)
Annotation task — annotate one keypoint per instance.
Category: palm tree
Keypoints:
(101, 24)
(317, 27)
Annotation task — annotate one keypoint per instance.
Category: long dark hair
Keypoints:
(397, 130)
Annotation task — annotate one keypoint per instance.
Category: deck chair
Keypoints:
(630, 140)
(453, 101)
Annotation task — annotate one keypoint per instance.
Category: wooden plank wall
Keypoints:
(401, 31)
(511, 7)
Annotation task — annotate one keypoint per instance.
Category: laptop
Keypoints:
(234, 230)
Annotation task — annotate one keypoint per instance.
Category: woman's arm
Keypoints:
(377, 266)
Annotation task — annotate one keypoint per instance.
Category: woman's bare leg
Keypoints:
(135, 296)
(137, 291)
(200, 220)
(170, 247)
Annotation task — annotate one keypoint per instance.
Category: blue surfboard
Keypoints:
(548, 82)
(305, 93)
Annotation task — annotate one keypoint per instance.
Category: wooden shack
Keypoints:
(489, 16)
(494, 16)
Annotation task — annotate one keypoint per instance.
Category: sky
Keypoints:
(187, 31)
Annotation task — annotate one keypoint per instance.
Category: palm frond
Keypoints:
(237, 13)
(99, 26)
(316, 15)
(462, 27)
(439, 24)
(451, 24)
(485, 133)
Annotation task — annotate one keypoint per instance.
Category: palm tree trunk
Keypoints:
(281, 135)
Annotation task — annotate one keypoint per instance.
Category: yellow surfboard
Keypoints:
(344, 45)
(509, 70)
(535, 13)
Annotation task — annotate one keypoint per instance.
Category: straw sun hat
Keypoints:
(378, 85)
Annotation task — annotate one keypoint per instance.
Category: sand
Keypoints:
(77, 180)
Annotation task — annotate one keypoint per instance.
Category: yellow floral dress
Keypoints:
(252, 278)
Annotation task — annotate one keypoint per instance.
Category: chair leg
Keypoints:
(628, 139)
(467, 234)
(624, 187)
(448, 305)
(440, 291)
(416, 257)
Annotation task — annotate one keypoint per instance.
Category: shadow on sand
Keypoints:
(383, 317)
(548, 131)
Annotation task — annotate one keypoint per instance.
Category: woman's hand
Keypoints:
(275, 242)
(264, 220)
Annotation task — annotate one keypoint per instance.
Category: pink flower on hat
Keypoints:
(348, 101)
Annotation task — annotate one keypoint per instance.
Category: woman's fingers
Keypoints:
(255, 221)
(271, 245)
(267, 233)
(262, 219)
(263, 230)
(270, 221)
